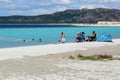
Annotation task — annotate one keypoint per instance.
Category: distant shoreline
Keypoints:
(37, 24)
(69, 24)
(95, 25)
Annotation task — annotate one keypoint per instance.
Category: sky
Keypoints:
(38, 7)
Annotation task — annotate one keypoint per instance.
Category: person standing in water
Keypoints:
(63, 37)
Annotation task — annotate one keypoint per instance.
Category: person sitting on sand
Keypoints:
(83, 36)
(78, 38)
(93, 37)
(63, 37)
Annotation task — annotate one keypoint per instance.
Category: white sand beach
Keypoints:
(51, 62)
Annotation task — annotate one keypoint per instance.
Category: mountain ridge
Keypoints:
(91, 16)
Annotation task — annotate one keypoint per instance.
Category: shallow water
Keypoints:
(13, 35)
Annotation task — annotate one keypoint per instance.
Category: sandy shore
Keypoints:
(72, 24)
(95, 24)
(51, 62)
(19, 52)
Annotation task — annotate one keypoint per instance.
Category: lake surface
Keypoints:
(13, 35)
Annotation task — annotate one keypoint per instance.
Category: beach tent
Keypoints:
(105, 38)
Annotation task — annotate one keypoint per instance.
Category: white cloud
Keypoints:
(40, 3)
(7, 6)
(6, 1)
(43, 4)
(40, 11)
(61, 8)
(37, 7)
(15, 12)
(61, 1)
(111, 0)
(29, 12)
(93, 6)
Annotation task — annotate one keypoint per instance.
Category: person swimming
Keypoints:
(33, 39)
(40, 40)
(24, 40)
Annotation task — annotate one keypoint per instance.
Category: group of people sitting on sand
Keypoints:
(80, 37)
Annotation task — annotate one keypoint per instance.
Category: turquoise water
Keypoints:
(13, 35)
